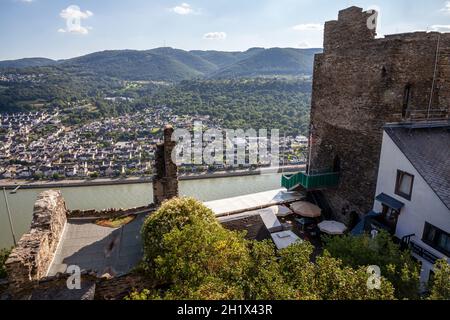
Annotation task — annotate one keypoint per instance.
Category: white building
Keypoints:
(413, 190)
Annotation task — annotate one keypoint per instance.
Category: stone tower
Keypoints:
(165, 181)
(361, 83)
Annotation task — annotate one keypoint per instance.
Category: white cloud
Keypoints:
(183, 9)
(440, 28)
(73, 16)
(27, 1)
(304, 45)
(446, 8)
(308, 27)
(215, 36)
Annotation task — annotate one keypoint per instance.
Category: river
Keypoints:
(125, 196)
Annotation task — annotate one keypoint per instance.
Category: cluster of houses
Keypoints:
(37, 145)
(18, 77)
(91, 150)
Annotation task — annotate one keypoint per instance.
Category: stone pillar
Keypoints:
(165, 181)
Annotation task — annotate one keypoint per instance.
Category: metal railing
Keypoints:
(427, 115)
(408, 243)
(422, 252)
(310, 182)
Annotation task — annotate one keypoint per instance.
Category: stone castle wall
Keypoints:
(32, 257)
(361, 83)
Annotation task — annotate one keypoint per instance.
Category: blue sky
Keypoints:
(31, 28)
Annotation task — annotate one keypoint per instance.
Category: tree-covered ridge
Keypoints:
(26, 62)
(243, 102)
(174, 65)
(258, 103)
(274, 61)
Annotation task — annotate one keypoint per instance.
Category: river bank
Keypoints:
(24, 184)
(130, 195)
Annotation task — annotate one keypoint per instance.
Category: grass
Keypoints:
(115, 222)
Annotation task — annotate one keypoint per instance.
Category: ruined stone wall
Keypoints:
(361, 83)
(92, 287)
(120, 287)
(30, 260)
(165, 181)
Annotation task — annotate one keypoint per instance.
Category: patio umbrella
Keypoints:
(332, 227)
(306, 209)
(281, 211)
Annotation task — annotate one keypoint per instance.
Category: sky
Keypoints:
(60, 29)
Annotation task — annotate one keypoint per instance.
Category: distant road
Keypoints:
(12, 184)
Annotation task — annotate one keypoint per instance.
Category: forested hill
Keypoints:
(269, 62)
(241, 89)
(26, 63)
(271, 103)
(174, 65)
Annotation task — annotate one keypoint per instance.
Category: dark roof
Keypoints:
(250, 222)
(390, 202)
(428, 149)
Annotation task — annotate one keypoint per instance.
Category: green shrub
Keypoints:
(328, 278)
(396, 265)
(191, 256)
(4, 253)
(440, 286)
(263, 278)
(176, 213)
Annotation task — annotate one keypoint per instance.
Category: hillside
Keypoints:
(243, 103)
(31, 83)
(134, 65)
(27, 62)
(174, 65)
(274, 61)
(223, 59)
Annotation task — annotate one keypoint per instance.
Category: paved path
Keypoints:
(100, 249)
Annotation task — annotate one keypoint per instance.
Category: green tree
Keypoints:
(297, 269)
(94, 175)
(189, 255)
(202, 261)
(263, 278)
(440, 286)
(56, 176)
(328, 278)
(396, 265)
(176, 213)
